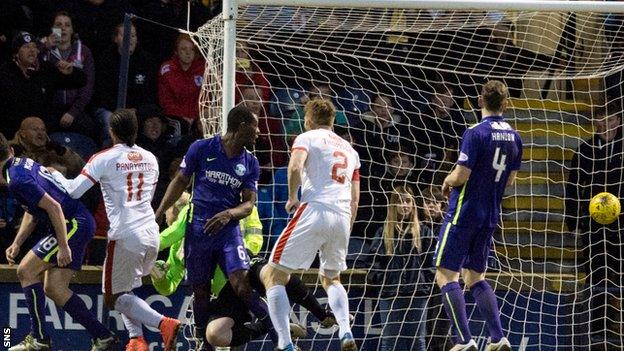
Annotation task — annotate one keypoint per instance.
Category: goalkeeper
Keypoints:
(229, 318)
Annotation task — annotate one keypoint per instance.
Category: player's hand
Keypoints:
(292, 205)
(3, 223)
(65, 67)
(66, 120)
(217, 222)
(64, 256)
(11, 253)
(159, 270)
(446, 189)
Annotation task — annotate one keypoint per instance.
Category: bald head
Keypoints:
(33, 132)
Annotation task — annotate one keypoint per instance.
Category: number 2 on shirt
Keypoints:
(340, 164)
(139, 189)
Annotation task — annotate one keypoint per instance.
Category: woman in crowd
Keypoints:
(401, 267)
(69, 104)
(179, 82)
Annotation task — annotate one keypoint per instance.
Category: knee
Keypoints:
(217, 337)
(24, 273)
(271, 276)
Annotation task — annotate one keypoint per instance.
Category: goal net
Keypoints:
(405, 83)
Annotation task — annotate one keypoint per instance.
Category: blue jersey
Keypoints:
(491, 149)
(218, 180)
(29, 182)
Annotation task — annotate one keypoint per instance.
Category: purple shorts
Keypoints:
(80, 231)
(463, 247)
(202, 253)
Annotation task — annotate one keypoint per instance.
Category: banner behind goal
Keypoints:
(405, 83)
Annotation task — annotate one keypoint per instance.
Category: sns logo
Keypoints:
(134, 156)
(240, 170)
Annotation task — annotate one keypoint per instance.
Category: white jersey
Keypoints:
(332, 164)
(128, 177)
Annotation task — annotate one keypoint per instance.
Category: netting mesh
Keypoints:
(405, 83)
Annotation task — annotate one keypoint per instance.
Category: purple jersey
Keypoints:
(491, 149)
(218, 180)
(29, 181)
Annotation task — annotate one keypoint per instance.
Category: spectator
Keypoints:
(69, 105)
(382, 131)
(27, 85)
(294, 126)
(180, 81)
(597, 167)
(443, 125)
(32, 141)
(141, 79)
(432, 206)
(95, 19)
(249, 74)
(375, 189)
(153, 137)
(402, 263)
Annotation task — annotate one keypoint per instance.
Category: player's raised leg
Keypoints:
(57, 288)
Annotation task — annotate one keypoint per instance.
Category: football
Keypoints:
(604, 208)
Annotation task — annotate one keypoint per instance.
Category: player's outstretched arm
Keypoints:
(75, 187)
(174, 191)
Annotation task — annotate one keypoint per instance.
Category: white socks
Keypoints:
(339, 303)
(137, 310)
(135, 329)
(279, 310)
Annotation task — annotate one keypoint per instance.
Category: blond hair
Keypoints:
(321, 111)
(390, 226)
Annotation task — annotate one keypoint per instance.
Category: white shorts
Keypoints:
(128, 260)
(313, 228)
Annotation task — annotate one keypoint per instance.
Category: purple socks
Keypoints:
(77, 309)
(455, 307)
(488, 308)
(35, 299)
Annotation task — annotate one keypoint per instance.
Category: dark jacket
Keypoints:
(31, 96)
(407, 271)
(595, 167)
(74, 101)
(142, 85)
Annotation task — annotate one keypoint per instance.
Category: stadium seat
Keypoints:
(81, 144)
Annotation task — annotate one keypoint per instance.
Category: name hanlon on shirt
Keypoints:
(223, 178)
(502, 136)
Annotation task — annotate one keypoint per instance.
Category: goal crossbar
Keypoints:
(505, 5)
